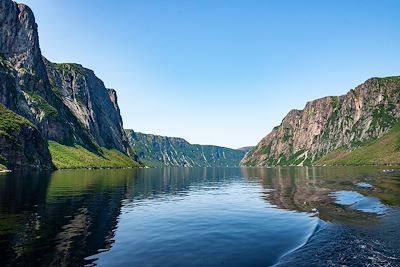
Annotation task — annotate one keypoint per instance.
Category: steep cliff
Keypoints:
(344, 122)
(65, 103)
(21, 144)
(155, 150)
(90, 101)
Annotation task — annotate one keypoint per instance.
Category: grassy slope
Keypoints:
(382, 151)
(10, 122)
(75, 157)
(10, 125)
(2, 167)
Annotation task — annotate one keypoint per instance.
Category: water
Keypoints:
(197, 216)
(359, 202)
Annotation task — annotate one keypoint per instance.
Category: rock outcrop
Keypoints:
(155, 150)
(330, 123)
(22, 145)
(90, 102)
(65, 103)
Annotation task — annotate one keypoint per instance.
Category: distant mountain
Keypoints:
(42, 101)
(155, 150)
(361, 127)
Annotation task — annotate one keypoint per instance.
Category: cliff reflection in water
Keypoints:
(309, 189)
(59, 219)
(64, 217)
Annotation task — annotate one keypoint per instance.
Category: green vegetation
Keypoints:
(382, 151)
(71, 67)
(10, 126)
(381, 116)
(2, 167)
(10, 122)
(57, 91)
(4, 63)
(384, 80)
(335, 101)
(287, 135)
(75, 157)
(250, 163)
(266, 149)
(43, 105)
(294, 159)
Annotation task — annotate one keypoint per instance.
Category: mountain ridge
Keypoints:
(158, 150)
(330, 123)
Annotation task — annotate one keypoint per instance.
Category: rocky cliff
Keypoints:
(90, 102)
(344, 122)
(22, 145)
(155, 150)
(65, 103)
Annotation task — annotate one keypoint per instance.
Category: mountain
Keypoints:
(361, 127)
(155, 150)
(94, 105)
(64, 103)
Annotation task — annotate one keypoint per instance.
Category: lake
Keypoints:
(304, 216)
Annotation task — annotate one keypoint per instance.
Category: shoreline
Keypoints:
(395, 168)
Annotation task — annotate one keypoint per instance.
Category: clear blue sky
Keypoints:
(221, 72)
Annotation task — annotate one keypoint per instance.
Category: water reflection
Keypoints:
(357, 201)
(310, 188)
(58, 219)
(63, 218)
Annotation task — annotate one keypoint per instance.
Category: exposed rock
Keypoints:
(19, 43)
(329, 123)
(74, 108)
(21, 144)
(91, 103)
(155, 150)
(27, 90)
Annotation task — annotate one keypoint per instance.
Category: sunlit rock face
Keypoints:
(67, 103)
(329, 123)
(91, 103)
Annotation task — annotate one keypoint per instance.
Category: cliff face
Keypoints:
(22, 145)
(91, 103)
(19, 54)
(330, 123)
(65, 102)
(155, 150)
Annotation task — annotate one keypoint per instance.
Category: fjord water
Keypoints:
(191, 216)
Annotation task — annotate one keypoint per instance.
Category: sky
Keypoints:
(221, 72)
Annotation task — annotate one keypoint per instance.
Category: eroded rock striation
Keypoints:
(94, 105)
(334, 122)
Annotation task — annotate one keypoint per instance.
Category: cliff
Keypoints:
(90, 102)
(65, 103)
(345, 123)
(155, 150)
(22, 146)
